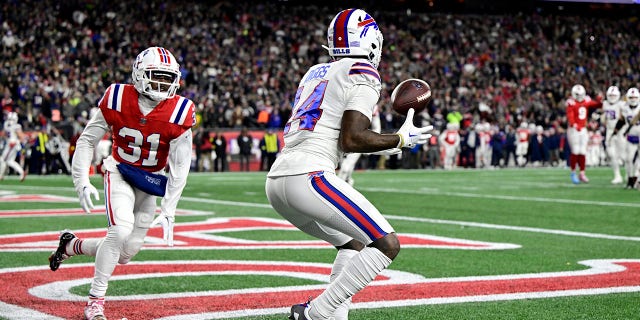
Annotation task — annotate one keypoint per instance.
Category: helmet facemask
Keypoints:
(613, 94)
(156, 74)
(578, 92)
(633, 97)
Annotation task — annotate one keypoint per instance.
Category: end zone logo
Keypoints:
(36, 293)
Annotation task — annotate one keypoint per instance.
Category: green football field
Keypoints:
(477, 244)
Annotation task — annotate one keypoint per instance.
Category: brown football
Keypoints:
(411, 93)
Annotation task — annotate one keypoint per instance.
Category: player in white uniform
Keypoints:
(350, 160)
(151, 127)
(331, 115)
(13, 145)
(630, 114)
(613, 142)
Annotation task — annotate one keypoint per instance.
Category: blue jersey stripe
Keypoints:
(180, 111)
(114, 98)
(365, 72)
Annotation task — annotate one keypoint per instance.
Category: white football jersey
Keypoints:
(611, 113)
(324, 93)
(11, 129)
(628, 113)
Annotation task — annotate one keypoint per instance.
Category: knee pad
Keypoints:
(118, 234)
(135, 240)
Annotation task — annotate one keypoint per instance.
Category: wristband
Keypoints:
(401, 142)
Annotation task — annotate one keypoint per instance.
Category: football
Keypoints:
(410, 93)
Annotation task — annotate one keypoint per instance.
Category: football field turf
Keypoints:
(477, 244)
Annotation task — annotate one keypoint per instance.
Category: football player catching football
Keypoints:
(332, 115)
(150, 127)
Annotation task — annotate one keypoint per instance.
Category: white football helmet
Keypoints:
(12, 117)
(613, 94)
(578, 93)
(633, 97)
(156, 74)
(354, 33)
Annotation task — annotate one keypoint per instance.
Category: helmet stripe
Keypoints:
(340, 35)
(164, 55)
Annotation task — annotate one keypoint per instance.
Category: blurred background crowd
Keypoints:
(241, 62)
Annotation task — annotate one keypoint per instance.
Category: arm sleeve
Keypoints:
(85, 146)
(570, 116)
(362, 98)
(179, 165)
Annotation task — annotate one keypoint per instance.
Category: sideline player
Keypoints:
(450, 141)
(613, 142)
(13, 145)
(331, 115)
(630, 115)
(578, 106)
(151, 127)
(522, 144)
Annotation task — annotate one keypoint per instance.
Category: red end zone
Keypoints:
(40, 291)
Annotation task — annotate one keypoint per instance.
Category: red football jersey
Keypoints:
(523, 134)
(578, 111)
(139, 140)
(451, 137)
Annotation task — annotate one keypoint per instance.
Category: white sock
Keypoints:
(342, 258)
(356, 275)
(79, 246)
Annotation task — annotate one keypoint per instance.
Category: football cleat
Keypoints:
(95, 310)
(631, 182)
(56, 257)
(616, 180)
(574, 178)
(583, 177)
(300, 311)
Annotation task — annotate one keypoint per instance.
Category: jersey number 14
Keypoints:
(309, 112)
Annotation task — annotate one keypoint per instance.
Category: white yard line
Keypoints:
(515, 228)
(503, 197)
(453, 222)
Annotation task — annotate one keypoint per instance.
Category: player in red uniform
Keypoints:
(151, 128)
(577, 113)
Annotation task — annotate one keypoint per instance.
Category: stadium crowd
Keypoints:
(241, 61)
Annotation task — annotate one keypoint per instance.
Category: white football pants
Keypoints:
(130, 212)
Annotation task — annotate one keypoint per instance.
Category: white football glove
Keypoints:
(411, 135)
(85, 197)
(167, 222)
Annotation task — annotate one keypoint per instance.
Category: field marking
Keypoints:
(462, 223)
(432, 191)
(515, 228)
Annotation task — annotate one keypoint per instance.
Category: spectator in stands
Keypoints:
(528, 82)
(219, 143)
(245, 145)
(203, 138)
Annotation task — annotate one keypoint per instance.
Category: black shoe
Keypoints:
(56, 257)
(298, 311)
